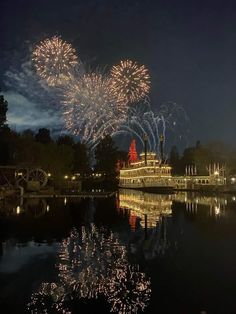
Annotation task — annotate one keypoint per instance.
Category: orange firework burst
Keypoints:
(130, 81)
(54, 60)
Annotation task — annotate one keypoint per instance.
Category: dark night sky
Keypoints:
(188, 46)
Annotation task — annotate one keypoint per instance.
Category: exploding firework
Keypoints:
(54, 60)
(94, 104)
(90, 108)
(130, 81)
(91, 89)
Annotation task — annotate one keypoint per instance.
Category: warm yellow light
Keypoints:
(18, 210)
(216, 173)
(73, 178)
(65, 177)
(147, 176)
(217, 210)
(49, 174)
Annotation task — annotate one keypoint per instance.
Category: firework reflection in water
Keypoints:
(93, 263)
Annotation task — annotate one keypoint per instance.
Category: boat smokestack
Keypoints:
(161, 147)
(145, 148)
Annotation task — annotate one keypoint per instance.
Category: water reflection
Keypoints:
(17, 255)
(93, 263)
(215, 205)
(155, 206)
(98, 245)
(150, 215)
(34, 207)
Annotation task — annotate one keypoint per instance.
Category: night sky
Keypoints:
(188, 46)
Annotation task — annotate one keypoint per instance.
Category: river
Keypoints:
(134, 252)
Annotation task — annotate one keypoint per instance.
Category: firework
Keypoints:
(130, 81)
(90, 108)
(54, 60)
(95, 104)
(170, 120)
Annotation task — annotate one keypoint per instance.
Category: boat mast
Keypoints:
(161, 140)
(145, 148)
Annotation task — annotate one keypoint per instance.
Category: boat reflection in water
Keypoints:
(93, 263)
(148, 217)
(151, 214)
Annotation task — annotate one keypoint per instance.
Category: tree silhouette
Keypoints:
(3, 111)
(106, 155)
(43, 136)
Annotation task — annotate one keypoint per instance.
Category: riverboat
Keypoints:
(148, 173)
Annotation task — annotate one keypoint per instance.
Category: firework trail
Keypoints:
(171, 120)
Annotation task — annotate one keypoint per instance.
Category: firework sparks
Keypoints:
(90, 109)
(141, 120)
(92, 264)
(130, 82)
(54, 60)
(95, 104)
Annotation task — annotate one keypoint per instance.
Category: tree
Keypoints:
(43, 136)
(133, 156)
(65, 140)
(106, 155)
(28, 133)
(4, 133)
(3, 111)
(28, 151)
(81, 158)
(57, 159)
(174, 160)
(8, 142)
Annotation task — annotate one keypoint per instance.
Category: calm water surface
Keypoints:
(134, 253)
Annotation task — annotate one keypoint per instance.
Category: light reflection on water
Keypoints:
(93, 263)
(97, 260)
(153, 212)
